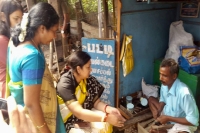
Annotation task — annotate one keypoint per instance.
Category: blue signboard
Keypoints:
(102, 54)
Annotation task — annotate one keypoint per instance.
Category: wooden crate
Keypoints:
(134, 118)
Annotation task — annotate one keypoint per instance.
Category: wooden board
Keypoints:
(119, 6)
(123, 113)
(126, 112)
(135, 120)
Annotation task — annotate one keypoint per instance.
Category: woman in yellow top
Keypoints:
(81, 92)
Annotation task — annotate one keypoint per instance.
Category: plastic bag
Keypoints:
(190, 59)
(149, 90)
(177, 37)
(127, 55)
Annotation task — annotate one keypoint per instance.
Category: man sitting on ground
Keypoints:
(176, 104)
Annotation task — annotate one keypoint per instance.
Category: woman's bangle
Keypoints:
(41, 125)
(105, 108)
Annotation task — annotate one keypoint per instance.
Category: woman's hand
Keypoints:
(114, 116)
(115, 120)
(112, 110)
(19, 121)
(115, 112)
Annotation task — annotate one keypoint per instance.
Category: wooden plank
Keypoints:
(162, 127)
(123, 114)
(142, 112)
(147, 122)
(51, 56)
(105, 23)
(139, 118)
(126, 111)
(135, 120)
(118, 51)
(58, 70)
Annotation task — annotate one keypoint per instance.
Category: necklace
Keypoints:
(35, 45)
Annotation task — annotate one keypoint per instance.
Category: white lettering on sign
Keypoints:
(107, 91)
(104, 96)
(103, 66)
(100, 71)
(104, 76)
(104, 79)
(100, 49)
(106, 63)
(106, 86)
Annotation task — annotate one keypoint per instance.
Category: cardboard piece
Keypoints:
(141, 129)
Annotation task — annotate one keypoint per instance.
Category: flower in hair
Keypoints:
(23, 25)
